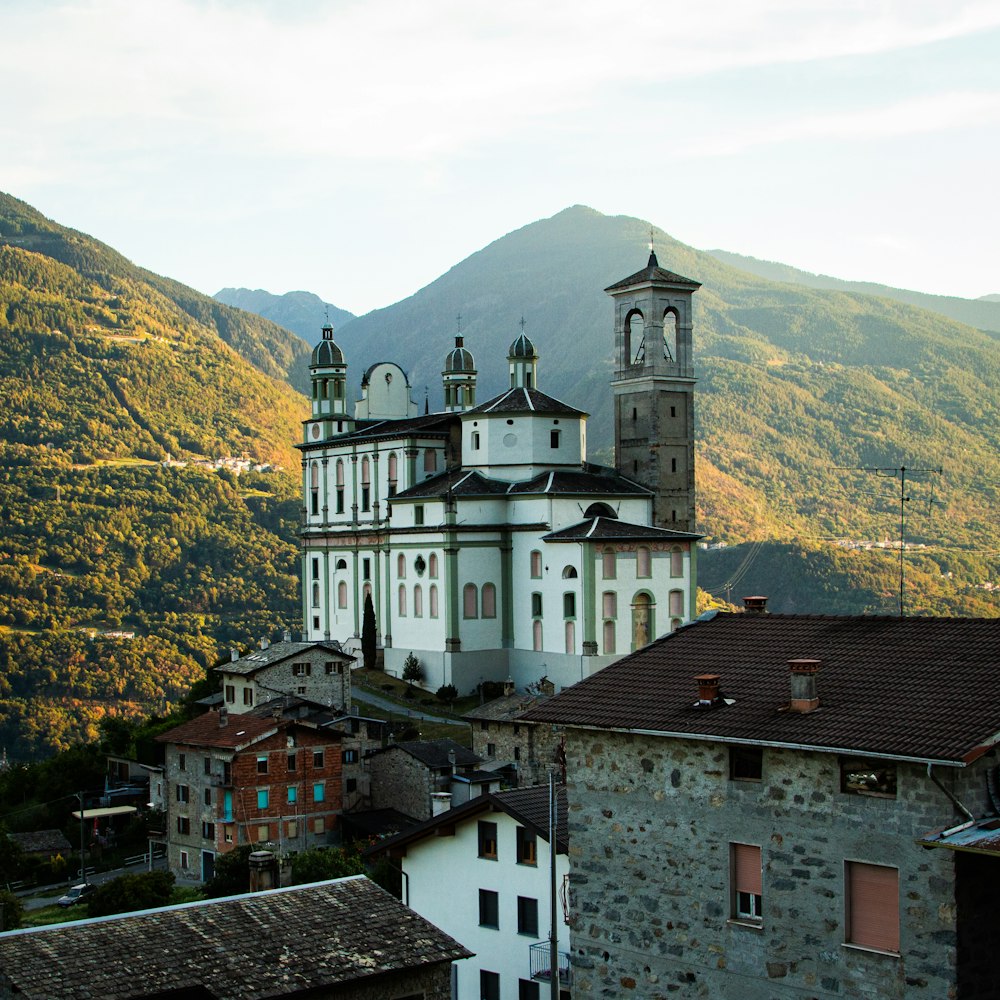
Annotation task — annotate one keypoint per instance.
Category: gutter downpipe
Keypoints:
(954, 801)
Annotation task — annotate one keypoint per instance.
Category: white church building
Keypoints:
(490, 547)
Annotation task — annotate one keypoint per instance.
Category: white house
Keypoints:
(495, 896)
(489, 546)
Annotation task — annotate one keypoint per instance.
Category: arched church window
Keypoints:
(642, 620)
(570, 637)
(433, 600)
(609, 637)
(635, 339)
(536, 635)
(418, 601)
(608, 568)
(536, 564)
(402, 600)
(400, 566)
(314, 488)
(600, 510)
(342, 595)
(569, 573)
(432, 566)
(642, 561)
(670, 335)
(366, 486)
(470, 601)
(315, 590)
(676, 561)
(430, 460)
(677, 603)
(393, 470)
(340, 487)
(341, 564)
(489, 597)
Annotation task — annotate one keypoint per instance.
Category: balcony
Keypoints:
(541, 965)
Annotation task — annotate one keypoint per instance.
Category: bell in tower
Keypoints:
(653, 386)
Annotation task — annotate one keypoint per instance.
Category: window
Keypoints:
(319, 792)
(319, 825)
(402, 600)
(185, 860)
(262, 764)
(393, 472)
(434, 600)
(248, 696)
(872, 906)
(527, 990)
(208, 796)
(484, 725)
(676, 602)
(609, 637)
(536, 635)
(340, 486)
(366, 568)
(182, 762)
(418, 601)
(207, 830)
(489, 908)
(536, 565)
(517, 753)
(527, 916)
(401, 566)
(318, 758)
(291, 762)
(366, 490)
(350, 756)
(342, 595)
(292, 828)
(868, 777)
(470, 601)
(231, 693)
(263, 798)
(608, 569)
(301, 669)
(206, 764)
(489, 600)
(228, 834)
(331, 668)
(491, 749)
(489, 985)
(475, 440)
(569, 605)
(746, 763)
(569, 628)
(553, 439)
(418, 514)
(293, 793)
(315, 568)
(745, 866)
(609, 604)
(432, 566)
(183, 825)
(430, 461)
(527, 850)
(642, 562)
(676, 562)
(264, 832)
(182, 793)
(488, 840)
(351, 785)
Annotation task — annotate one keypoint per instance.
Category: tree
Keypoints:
(11, 911)
(232, 873)
(321, 863)
(368, 647)
(142, 891)
(447, 693)
(412, 670)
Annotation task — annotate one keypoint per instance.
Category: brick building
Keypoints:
(230, 780)
(771, 806)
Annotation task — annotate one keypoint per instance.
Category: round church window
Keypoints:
(509, 440)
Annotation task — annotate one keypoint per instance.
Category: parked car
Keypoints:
(77, 894)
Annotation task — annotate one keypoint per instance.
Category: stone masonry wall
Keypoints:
(651, 823)
(534, 747)
(399, 781)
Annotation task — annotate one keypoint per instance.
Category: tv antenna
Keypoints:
(900, 473)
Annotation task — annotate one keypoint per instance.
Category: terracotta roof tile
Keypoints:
(918, 688)
(205, 731)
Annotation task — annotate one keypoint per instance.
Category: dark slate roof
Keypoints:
(459, 482)
(652, 272)
(610, 529)
(528, 806)
(459, 359)
(276, 652)
(521, 400)
(268, 944)
(591, 480)
(915, 688)
(205, 731)
(522, 348)
(42, 842)
(506, 708)
(326, 352)
(434, 753)
(426, 425)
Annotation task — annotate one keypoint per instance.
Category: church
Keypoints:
(490, 547)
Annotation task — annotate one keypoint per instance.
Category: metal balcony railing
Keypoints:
(541, 964)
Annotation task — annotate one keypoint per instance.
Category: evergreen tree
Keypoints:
(368, 646)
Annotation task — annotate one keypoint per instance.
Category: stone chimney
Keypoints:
(263, 871)
(234, 654)
(803, 675)
(508, 687)
(287, 635)
(756, 605)
(440, 802)
(451, 760)
(708, 689)
(264, 642)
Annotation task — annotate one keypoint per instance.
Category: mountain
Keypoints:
(982, 313)
(301, 312)
(130, 546)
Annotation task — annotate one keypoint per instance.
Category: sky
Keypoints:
(360, 149)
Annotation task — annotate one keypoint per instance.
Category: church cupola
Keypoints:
(459, 376)
(328, 373)
(522, 358)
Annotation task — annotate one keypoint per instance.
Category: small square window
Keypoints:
(350, 756)
(264, 832)
(491, 749)
(262, 764)
(489, 908)
(263, 798)
(527, 847)
(872, 906)
(876, 778)
(182, 762)
(489, 985)
(527, 990)
(746, 763)
(318, 759)
(527, 916)
(291, 762)
(293, 793)
(319, 792)
(418, 514)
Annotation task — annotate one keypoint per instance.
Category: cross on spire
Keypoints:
(458, 319)
(522, 324)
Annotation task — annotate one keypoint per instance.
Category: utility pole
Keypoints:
(83, 869)
(553, 910)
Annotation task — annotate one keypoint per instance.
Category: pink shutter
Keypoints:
(873, 906)
(746, 865)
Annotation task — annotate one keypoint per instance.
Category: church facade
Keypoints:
(489, 546)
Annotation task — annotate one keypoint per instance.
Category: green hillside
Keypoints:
(301, 312)
(106, 371)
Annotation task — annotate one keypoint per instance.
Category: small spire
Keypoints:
(522, 324)
(458, 319)
(427, 401)
(653, 262)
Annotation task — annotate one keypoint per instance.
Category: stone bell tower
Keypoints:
(653, 385)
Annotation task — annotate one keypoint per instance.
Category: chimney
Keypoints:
(264, 642)
(223, 717)
(287, 635)
(803, 675)
(755, 605)
(440, 802)
(708, 689)
(234, 654)
(451, 760)
(508, 687)
(263, 871)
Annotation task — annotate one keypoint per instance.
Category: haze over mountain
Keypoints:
(301, 312)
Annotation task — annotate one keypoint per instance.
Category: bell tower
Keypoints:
(653, 386)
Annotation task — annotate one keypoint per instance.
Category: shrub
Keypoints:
(447, 693)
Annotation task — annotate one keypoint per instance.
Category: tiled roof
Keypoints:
(528, 806)
(653, 272)
(506, 708)
(610, 529)
(521, 400)
(459, 483)
(268, 944)
(916, 688)
(257, 659)
(426, 425)
(433, 753)
(42, 842)
(591, 480)
(205, 731)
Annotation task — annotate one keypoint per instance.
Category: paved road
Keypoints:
(35, 899)
(369, 697)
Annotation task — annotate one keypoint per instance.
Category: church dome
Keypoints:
(459, 359)
(522, 348)
(326, 352)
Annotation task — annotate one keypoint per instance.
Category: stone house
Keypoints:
(341, 940)
(317, 672)
(521, 751)
(420, 777)
(496, 897)
(230, 780)
(361, 735)
(772, 806)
